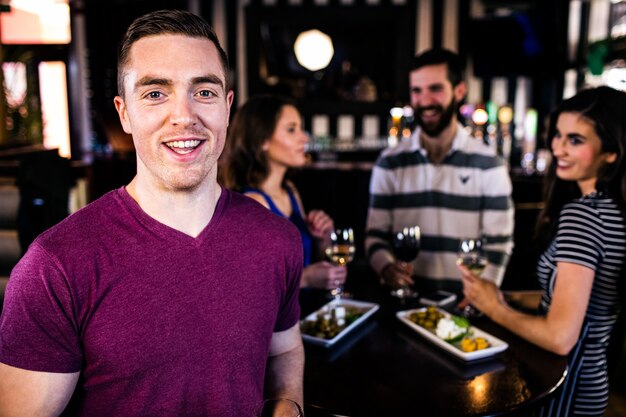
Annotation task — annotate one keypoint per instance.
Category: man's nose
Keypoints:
(424, 100)
(182, 112)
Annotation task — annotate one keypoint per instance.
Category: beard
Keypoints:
(433, 129)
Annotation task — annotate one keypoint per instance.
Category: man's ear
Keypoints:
(229, 102)
(460, 90)
(120, 106)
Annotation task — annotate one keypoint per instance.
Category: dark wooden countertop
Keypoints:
(385, 368)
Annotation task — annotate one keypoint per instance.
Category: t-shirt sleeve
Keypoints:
(38, 330)
(579, 237)
(289, 313)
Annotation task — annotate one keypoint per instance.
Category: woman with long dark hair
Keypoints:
(265, 140)
(581, 270)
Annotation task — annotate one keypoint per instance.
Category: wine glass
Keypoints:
(279, 407)
(406, 246)
(472, 256)
(340, 252)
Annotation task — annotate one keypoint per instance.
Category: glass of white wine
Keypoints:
(472, 256)
(340, 252)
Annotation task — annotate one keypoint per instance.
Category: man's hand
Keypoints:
(397, 274)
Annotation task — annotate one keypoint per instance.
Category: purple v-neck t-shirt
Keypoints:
(157, 323)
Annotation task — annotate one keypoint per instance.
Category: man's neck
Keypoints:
(188, 211)
(437, 147)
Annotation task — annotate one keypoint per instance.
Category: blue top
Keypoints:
(296, 218)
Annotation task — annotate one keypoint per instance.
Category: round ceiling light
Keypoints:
(314, 49)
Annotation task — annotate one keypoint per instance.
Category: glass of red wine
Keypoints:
(406, 246)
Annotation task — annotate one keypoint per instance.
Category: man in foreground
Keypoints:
(170, 296)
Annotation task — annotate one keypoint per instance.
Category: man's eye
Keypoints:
(154, 94)
(205, 93)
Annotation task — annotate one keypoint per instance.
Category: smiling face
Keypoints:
(578, 151)
(176, 108)
(434, 98)
(286, 146)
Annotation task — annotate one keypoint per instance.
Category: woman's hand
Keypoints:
(324, 275)
(320, 224)
(481, 293)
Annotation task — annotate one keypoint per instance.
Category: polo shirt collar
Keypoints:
(459, 141)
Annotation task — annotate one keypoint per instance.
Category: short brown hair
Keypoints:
(437, 56)
(177, 22)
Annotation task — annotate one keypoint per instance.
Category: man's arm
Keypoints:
(379, 219)
(34, 394)
(285, 367)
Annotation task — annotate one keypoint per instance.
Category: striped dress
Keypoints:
(591, 233)
(467, 195)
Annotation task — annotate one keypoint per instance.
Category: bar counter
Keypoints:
(385, 368)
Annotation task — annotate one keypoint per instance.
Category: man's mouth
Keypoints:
(183, 147)
(429, 114)
(429, 111)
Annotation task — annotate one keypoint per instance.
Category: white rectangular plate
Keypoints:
(369, 308)
(496, 345)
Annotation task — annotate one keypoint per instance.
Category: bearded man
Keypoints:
(443, 180)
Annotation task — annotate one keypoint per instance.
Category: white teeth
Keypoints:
(182, 144)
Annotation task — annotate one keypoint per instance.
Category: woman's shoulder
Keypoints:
(291, 188)
(594, 212)
(258, 196)
(595, 203)
(244, 210)
(293, 191)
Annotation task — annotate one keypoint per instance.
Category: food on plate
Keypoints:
(472, 344)
(452, 329)
(453, 333)
(455, 330)
(329, 322)
(428, 318)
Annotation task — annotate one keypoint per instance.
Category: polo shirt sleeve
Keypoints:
(379, 217)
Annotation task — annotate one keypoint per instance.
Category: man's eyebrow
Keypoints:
(145, 81)
(205, 79)
(208, 79)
